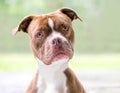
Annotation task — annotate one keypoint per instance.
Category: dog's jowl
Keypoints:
(52, 42)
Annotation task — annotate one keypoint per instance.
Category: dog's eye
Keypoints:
(39, 34)
(64, 27)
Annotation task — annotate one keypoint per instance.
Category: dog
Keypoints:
(52, 42)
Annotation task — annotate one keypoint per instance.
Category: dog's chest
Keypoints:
(51, 81)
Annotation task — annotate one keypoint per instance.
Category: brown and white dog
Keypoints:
(52, 42)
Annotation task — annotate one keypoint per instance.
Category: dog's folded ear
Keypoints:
(23, 25)
(70, 13)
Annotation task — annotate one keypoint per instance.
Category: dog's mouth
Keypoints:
(60, 55)
(56, 56)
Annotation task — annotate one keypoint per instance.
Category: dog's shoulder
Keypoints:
(73, 84)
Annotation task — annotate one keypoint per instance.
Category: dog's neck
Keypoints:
(58, 66)
(52, 77)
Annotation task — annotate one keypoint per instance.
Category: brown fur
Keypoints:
(74, 86)
(38, 25)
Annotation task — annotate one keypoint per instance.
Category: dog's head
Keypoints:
(51, 35)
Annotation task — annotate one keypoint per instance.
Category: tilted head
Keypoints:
(51, 35)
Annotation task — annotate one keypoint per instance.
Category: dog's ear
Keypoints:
(70, 13)
(23, 25)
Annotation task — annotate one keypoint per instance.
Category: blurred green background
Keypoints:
(97, 42)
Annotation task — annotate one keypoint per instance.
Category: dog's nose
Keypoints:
(57, 41)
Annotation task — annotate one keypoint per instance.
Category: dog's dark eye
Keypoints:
(39, 34)
(64, 27)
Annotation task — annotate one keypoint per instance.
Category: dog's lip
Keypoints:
(56, 57)
(60, 55)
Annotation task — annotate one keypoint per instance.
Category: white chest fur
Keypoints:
(51, 78)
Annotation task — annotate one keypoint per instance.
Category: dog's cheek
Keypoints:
(35, 47)
(42, 49)
(47, 49)
(70, 37)
(45, 54)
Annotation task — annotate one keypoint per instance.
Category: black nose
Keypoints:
(57, 41)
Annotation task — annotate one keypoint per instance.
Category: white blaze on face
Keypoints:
(55, 34)
(50, 23)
